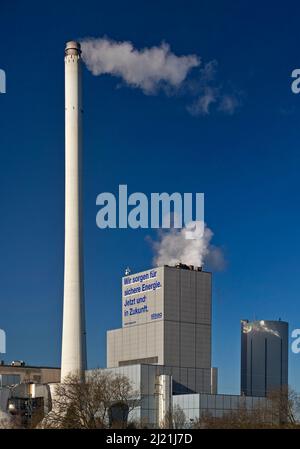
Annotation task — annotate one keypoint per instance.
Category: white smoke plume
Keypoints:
(228, 104)
(175, 246)
(203, 104)
(158, 68)
(210, 94)
(148, 69)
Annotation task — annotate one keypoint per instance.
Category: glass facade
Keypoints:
(144, 382)
(9, 379)
(196, 405)
(264, 356)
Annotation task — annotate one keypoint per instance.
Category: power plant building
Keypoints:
(264, 357)
(166, 321)
(164, 345)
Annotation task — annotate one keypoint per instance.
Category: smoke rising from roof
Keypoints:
(260, 326)
(174, 245)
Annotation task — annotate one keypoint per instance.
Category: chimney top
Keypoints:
(72, 48)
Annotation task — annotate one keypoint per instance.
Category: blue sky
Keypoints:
(247, 164)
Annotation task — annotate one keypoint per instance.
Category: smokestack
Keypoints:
(73, 359)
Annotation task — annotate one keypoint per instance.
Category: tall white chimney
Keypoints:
(73, 359)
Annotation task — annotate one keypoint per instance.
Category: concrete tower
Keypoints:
(73, 358)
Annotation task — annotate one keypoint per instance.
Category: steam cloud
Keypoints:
(174, 246)
(158, 68)
(204, 102)
(259, 327)
(147, 69)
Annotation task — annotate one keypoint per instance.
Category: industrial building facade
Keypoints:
(164, 348)
(155, 397)
(264, 357)
(12, 375)
(166, 321)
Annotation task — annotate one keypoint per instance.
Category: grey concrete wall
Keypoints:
(187, 307)
(134, 343)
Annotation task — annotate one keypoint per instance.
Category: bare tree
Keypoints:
(235, 419)
(93, 403)
(179, 417)
(174, 419)
(167, 421)
(283, 407)
(9, 422)
(279, 410)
